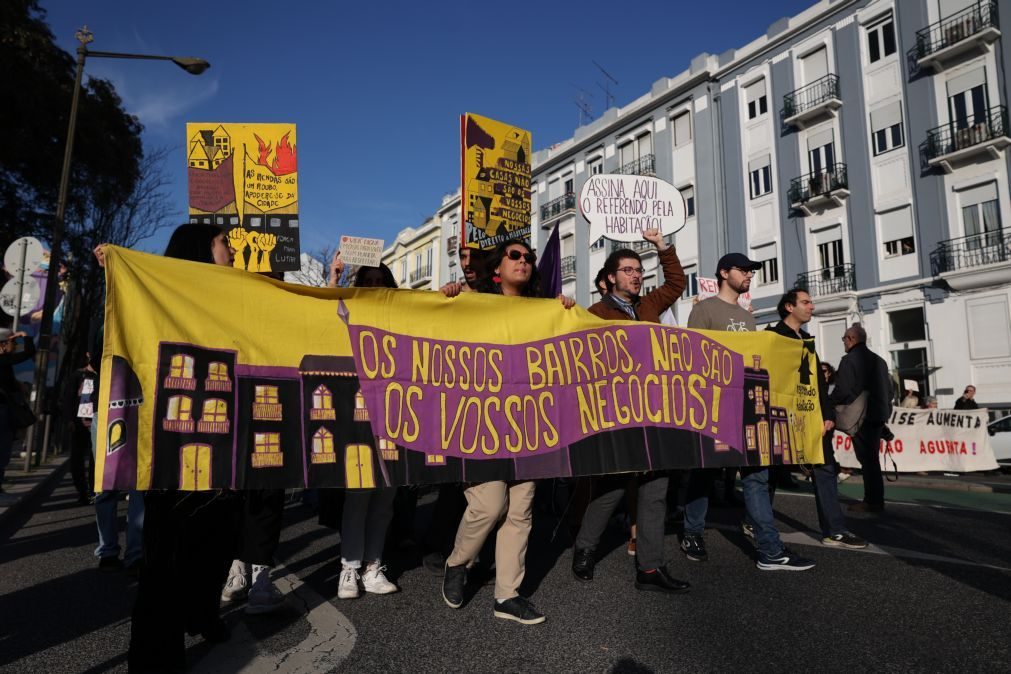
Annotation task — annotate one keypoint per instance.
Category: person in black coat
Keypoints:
(861, 370)
(795, 309)
(968, 399)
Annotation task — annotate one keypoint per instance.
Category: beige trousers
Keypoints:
(489, 504)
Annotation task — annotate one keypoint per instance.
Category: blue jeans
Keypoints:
(700, 483)
(107, 519)
(758, 506)
(826, 498)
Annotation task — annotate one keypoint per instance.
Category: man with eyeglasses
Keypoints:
(734, 272)
(863, 371)
(624, 277)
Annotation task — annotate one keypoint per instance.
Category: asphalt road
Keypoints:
(933, 594)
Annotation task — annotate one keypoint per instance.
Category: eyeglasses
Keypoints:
(516, 255)
(746, 272)
(631, 271)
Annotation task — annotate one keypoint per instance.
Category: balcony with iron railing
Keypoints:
(643, 166)
(964, 33)
(976, 261)
(421, 276)
(812, 102)
(557, 207)
(568, 267)
(641, 247)
(956, 142)
(835, 287)
(819, 189)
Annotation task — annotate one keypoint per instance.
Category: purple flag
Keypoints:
(550, 266)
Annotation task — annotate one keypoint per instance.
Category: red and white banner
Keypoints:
(954, 441)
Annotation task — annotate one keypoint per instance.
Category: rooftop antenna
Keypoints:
(606, 86)
(585, 110)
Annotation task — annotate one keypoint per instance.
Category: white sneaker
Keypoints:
(236, 587)
(347, 586)
(263, 596)
(375, 580)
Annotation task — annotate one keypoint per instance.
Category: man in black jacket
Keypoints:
(863, 370)
(795, 309)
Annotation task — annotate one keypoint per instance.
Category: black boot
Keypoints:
(582, 565)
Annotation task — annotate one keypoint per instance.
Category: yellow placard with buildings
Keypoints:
(495, 189)
(244, 179)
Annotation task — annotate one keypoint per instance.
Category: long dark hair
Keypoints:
(486, 282)
(388, 280)
(192, 241)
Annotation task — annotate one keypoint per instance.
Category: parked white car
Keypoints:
(1000, 440)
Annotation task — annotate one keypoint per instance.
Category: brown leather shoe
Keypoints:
(865, 507)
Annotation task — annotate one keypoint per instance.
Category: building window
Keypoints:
(682, 129)
(755, 95)
(267, 450)
(596, 166)
(215, 410)
(967, 99)
(568, 187)
(830, 254)
(598, 244)
(322, 398)
(897, 232)
(881, 40)
(769, 273)
(886, 128)
(821, 152)
(217, 377)
(760, 172)
(980, 215)
(691, 282)
(907, 325)
(180, 408)
(688, 193)
(181, 366)
(266, 394)
(322, 447)
(403, 271)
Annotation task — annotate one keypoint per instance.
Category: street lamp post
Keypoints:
(194, 66)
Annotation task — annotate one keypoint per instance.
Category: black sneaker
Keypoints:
(452, 585)
(694, 547)
(110, 564)
(845, 540)
(519, 609)
(658, 580)
(784, 561)
(582, 565)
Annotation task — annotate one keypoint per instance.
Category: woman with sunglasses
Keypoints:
(510, 271)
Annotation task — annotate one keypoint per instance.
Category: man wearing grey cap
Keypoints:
(734, 272)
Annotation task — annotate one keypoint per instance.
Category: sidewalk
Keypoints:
(972, 482)
(20, 487)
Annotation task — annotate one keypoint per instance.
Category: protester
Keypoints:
(13, 406)
(261, 516)
(189, 537)
(79, 410)
(863, 371)
(367, 512)
(734, 272)
(511, 271)
(795, 309)
(968, 399)
(107, 500)
(601, 282)
(624, 278)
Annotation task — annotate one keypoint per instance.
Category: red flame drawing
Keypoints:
(285, 157)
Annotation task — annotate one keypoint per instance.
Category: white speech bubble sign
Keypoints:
(620, 207)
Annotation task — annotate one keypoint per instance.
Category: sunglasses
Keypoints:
(516, 255)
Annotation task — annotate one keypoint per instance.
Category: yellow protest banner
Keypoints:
(262, 384)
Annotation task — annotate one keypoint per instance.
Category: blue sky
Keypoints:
(376, 88)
